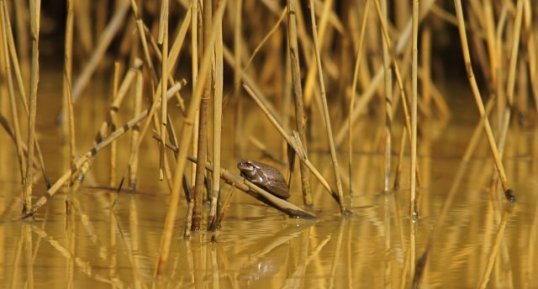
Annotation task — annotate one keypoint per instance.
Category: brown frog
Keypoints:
(265, 176)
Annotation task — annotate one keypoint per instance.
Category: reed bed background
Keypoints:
(177, 68)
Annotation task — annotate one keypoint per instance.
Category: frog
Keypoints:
(265, 176)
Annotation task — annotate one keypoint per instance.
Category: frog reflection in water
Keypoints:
(265, 176)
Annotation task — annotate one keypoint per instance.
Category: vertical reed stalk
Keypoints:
(112, 126)
(186, 138)
(298, 96)
(207, 11)
(388, 105)
(163, 40)
(325, 111)
(217, 124)
(478, 99)
(67, 83)
(414, 104)
(238, 43)
(353, 90)
(135, 137)
(35, 14)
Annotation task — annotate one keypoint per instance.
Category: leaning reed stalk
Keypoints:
(186, 138)
(11, 92)
(414, 104)
(35, 14)
(388, 106)
(325, 111)
(217, 124)
(67, 81)
(105, 40)
(353, 89)
(298, 97)
(163, 40)
(478, 99)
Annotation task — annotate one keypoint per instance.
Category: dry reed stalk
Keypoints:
(311, 76)
(388, 105)
(531, 50)
(294, 142)
(112, 124)
(298, 97)
(163, 40)
(194, 67)
(21, 14)
(186, 138)
(238, 45)
(106, 38)
(217, 125)
(425, 71)
(408, 118)
(84, 159)
(20, 83)
(67, 81)
(478, 99)
(143, 40)
(202, 145)
(83, 26)
(325, 111)
(35, 14)
(135, 137)
(414, 104)
(11, 91)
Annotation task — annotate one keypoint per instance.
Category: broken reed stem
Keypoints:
(199, 185)
(143, 40)
(163, 40)
(414, 104)
(83, 160)
(353, 89)
(135, 137)
(480, 105)
(294, 143)
(67, 81)
(217, 124)
(186, 138)
(35, 14)
(298, 97)
(325, 111)
(387, 69)
(11, 92)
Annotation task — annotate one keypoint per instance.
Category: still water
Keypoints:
(112, 240)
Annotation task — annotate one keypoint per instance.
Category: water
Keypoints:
(112, 240)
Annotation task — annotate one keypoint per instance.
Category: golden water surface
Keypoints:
(112, 240)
